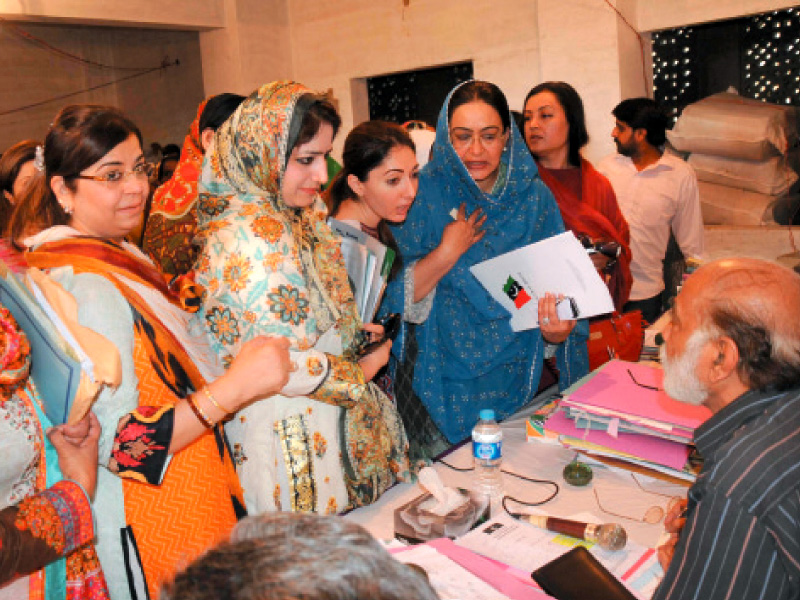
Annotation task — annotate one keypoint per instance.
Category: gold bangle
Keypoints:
(213, 401)
(198, 412)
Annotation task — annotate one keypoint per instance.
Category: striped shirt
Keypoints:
(742, 533)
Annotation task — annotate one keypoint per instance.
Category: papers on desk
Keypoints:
(621, 411)
(559, 265)
(457, 573)
(368, 264)
(527, 547)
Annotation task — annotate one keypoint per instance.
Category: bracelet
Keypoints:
(198, 412)
(213, 401)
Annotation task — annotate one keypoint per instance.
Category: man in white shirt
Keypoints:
(657, 193)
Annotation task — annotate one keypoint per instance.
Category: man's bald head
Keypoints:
(757, 304)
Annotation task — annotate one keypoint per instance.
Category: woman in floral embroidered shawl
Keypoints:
(167, 490)
(271, 265)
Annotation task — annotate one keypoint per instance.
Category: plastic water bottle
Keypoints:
(487, 452)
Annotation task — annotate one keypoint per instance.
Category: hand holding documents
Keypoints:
(69, 363)
(559, 265)
(368, 264)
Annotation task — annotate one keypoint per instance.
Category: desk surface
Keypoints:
(616, 488)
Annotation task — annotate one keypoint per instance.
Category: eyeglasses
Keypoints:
(117, 176)
(487, 139)
(644, 385)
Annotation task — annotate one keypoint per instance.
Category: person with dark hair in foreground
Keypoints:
(657, 193)
(171, 222)
(290, 556)
(733, 344)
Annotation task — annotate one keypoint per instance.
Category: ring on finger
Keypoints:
(546, 321)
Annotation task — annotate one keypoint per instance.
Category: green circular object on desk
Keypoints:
(577, 473)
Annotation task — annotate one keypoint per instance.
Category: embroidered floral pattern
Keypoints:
(236, 274)
(268, 229)
(213, 205)
(273, 261)
(288, 304)
(276, 496)
(331, 508)
(223, 325)
(320, 444)
(142, 435)
(38, 515)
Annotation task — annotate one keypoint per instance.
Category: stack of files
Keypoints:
(368, 264)
(621, 411)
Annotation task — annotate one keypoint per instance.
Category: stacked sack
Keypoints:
(745, 153)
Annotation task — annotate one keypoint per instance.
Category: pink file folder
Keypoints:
(503, 578)
(612, 388)
(649, 448)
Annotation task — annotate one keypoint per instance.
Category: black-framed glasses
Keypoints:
(115, 177)
(644, 385)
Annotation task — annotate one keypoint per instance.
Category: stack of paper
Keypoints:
(622, 411)
(368, 264)
(558, 265)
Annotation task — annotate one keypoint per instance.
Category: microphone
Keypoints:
(609, 536)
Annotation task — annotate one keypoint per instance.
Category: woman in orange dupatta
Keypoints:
(172, 223)
(166, 489)
(555, 131)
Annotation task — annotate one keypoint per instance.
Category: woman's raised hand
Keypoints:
(459, 235)
(554, 329)
(260, 369)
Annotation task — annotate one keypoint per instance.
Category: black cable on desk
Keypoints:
(517, 475)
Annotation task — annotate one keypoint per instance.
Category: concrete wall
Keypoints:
(162, 103)
(364, 38)
(174, 14)
(254, 47)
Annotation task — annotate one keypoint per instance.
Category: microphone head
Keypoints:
(612, 536)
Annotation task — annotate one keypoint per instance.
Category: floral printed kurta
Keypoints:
(271, 269)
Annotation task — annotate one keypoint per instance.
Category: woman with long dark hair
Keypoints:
(555, 131)
(378, 181)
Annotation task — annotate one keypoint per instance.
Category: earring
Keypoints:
(67, 209)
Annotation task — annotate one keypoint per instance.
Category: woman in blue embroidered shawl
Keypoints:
(480, 196)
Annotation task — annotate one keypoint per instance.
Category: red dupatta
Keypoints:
(597, 215)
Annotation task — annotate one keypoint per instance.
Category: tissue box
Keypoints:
(416, 525)
(535, 425)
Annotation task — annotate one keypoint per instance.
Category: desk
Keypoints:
(616, 488)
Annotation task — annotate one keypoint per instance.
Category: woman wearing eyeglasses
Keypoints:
(166, 488)
(479, 197)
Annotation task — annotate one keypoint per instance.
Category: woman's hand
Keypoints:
(554, 330)
(461, 234)
(375, 360)
(261, 368)
(375, 331)
(76, 446)
(600, 261)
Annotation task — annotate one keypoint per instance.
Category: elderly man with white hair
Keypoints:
(733, 344)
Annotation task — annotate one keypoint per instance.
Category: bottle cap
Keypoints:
(487, 414)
